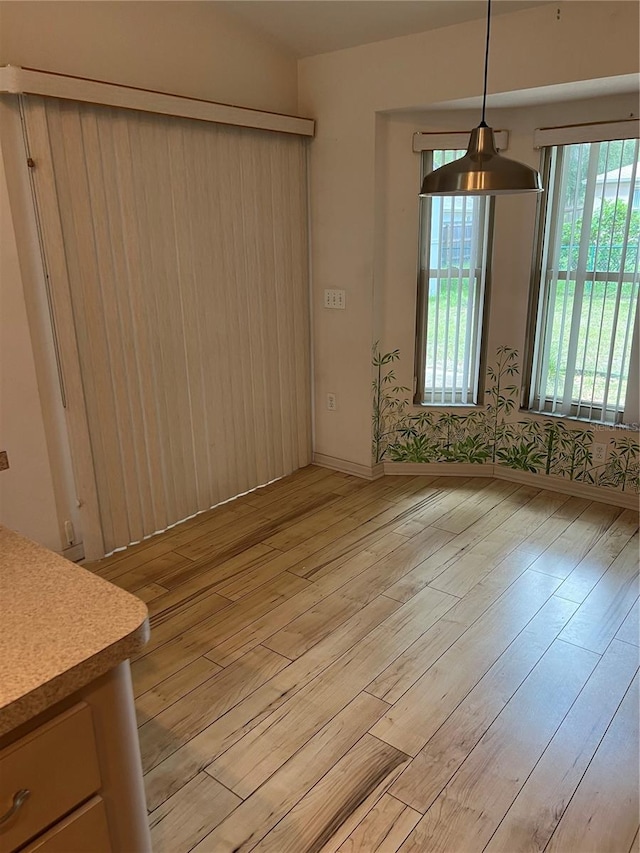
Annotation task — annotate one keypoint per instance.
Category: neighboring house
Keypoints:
(452, 238)
(617, 184)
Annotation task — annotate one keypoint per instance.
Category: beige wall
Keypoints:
(187, 48)
(368, 100)
(364, 179)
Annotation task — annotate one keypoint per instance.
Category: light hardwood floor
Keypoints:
(414, 664)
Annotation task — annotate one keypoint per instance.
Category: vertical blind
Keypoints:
(177, 252)
(454, 235)
(590, 282)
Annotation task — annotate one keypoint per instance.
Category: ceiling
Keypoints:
(309, 27)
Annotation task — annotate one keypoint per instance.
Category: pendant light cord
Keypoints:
(486, 64)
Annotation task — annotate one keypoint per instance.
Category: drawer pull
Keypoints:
(19, 798)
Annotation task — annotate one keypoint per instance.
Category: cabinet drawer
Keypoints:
(57, 763)
(84, 831)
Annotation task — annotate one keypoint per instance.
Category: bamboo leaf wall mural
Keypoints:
(489, 434)
(389, 409)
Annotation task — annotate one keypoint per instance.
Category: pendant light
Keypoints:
(482, 171)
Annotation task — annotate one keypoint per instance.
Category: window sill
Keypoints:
(457, 406)
(596, 425)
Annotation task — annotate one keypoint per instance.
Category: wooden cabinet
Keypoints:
(83, 831)
(79, 760)
(68, 733)
(51, 770)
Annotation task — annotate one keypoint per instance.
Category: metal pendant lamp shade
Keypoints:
(482, 171)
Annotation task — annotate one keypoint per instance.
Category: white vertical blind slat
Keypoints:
(274, 337)
(195, 442)
(107, 273)
(139, 332)
(137, 487)
(240, 351)
(253, 177)
(441, 203)
(231, 361)
(551, 250)
(157, 310)
(61, 309)
(69, 154)
(209, 341)
(583, 348)
(624, 329)
(294, 231)
(453, 322)
(580, 280)
(186, 250)
(285, 322)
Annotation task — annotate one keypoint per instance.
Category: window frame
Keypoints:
(420, 354)
(536, 325)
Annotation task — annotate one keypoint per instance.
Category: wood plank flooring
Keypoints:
(415, 664)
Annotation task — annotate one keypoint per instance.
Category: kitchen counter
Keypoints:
(70, 771)
(61, 627)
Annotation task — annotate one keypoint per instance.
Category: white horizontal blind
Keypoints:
(589, 294)
(185, 247)
(454, 238)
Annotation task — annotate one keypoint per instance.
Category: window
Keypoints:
(454, 241)
(585, 353)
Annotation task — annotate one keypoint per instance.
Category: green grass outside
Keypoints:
(457, 292)
(596, 333)
(599, 329)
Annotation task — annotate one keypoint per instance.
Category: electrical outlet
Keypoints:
(331, 402)
(4, 460)
(69, 533)
(598, 451)
(334, 299)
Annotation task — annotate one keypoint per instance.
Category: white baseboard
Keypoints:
(628, 500)
(75, 553)
(615, 497)
(368, 472)
(439, 469)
